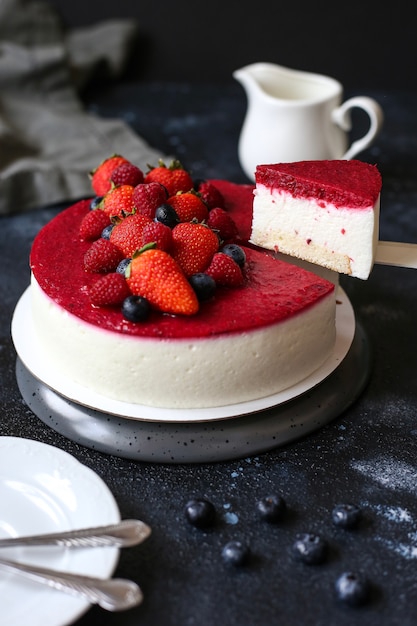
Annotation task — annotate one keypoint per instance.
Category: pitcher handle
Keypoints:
(341, 116)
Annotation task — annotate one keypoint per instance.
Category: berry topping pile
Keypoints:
(158, 240)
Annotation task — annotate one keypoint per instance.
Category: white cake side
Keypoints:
(342, 239)
(200, 373)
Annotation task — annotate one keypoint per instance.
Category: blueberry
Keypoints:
(309, 548)
(95, 202)
(272, 508)
(236, 252)
(236, 553)
(106, 232)
(123, 265)
(346, 515)
(352, 588)
(203, 285)
(200, 512)
(166, 214)
(136, 308)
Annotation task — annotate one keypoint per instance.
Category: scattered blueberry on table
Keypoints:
(272, 508)
(200, 512)
(352, 588)
(309, 548)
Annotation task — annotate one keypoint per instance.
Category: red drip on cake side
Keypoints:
(273, 290)
(348, 184)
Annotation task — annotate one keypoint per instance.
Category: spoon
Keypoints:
(114, 594)
(123, 534)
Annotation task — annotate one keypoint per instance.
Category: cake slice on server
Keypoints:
(324, 212)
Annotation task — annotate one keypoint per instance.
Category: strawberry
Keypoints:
(193, 246)
(118, 201)
(100, 177)
(147, 197)
(174, 177)
(127, 174)
(225, 271)
(102, 257)
(158, 233)
(189, 206)
(210, 194)
(126, 234)
(156, 276)
(93, 224)
(109, 290)
(220, 220)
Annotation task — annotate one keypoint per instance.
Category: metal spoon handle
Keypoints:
(123, 534)
(115, 594)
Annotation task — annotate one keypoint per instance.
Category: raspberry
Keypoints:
(109, 290)
(211, 195)
(127, 174)
(93, 224)
(102, 257)
(158, 233)
(219, 220)
(148, 197)
(225, 271)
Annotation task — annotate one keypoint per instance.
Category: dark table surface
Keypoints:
(367, 455)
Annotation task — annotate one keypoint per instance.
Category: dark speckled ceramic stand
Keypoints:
(199, 442)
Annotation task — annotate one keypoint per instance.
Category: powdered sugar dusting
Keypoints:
(406, 546)
(389, 472)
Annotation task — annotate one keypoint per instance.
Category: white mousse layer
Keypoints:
(184, 373)
(341, 239)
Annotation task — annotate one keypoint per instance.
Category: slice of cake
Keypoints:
(249, 339)
(325, 212)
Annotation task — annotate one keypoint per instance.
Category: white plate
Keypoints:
(30, 352)
(44, 489)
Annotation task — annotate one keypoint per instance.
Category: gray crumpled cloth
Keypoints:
(48, 141)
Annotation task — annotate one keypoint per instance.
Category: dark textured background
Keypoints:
(365, 44)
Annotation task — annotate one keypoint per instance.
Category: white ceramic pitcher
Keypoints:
(296, 116)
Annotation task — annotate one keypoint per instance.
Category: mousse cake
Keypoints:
(325, 212)
(249, 339)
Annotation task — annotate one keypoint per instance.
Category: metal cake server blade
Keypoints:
(396, 253)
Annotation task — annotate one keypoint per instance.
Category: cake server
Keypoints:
(396, 253)
(123, 534)
(113, 594)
